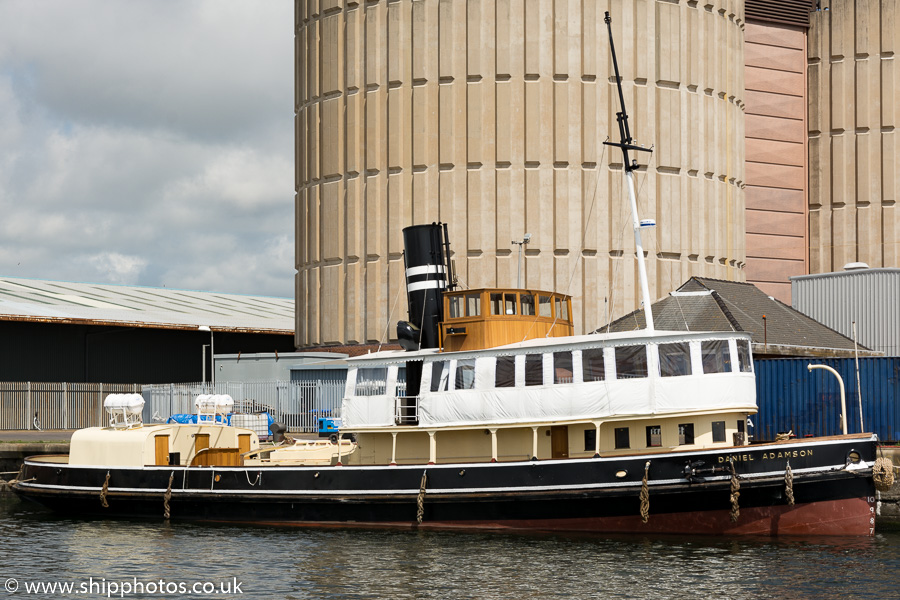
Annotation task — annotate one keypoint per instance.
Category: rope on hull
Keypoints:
(104, 491)
(420, 501)
(645, 494)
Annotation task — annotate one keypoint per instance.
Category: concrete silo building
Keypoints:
(490, 116)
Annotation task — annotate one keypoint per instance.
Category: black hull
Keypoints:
(564, 495)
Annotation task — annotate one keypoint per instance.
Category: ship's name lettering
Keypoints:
(767, 456)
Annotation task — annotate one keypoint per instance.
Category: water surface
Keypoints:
(323, 564)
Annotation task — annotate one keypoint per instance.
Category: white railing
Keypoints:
(407, 410)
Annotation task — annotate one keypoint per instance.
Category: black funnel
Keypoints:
(426, 280)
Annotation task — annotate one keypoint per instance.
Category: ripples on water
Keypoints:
(273, 562)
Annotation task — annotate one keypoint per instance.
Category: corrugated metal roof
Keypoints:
(36, 300)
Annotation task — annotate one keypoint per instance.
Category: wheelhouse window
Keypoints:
(592, 365)
(686, 434)
(465, 305)
(654, 436)
(371, 381)
(503, 303)
(505, 373)
(457, 306)
(465, 374)
(674, 359)
(562, 309)
(718, 431)
(562, 367)
(534, 369)
(545, 306)
(745, 363)
(473, 305)
(631, 362)
(527, 304)
(716, 356)
(621, 438)
(439, 376)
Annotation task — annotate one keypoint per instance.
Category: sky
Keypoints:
(148, 142)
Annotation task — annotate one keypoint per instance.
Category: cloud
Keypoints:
(148, 143)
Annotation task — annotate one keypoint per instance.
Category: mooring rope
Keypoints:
(645, 495)
(883, 474)
(420, 501)
(735, 493)
(168, 496)
(104, 491)
(789, 484)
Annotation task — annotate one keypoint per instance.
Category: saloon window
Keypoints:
(674, 359)
(654, 436)
(465, 374)
(505, 374)
(686, 434)
(545, 306)
(745, 364)
(718, 431)
(631, 362)
(562, 367)
(439, 376)
(716, 356)
(371, 381)
(534, 369)
(592, 366)
(590, 440)
(621, 435)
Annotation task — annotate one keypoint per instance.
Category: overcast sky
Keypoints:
(148, 142)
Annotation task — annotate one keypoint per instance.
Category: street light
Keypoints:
(524, 241)
(212, 355)
(843, 396)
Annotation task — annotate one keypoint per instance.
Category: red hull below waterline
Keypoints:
(853, 516)
(849, 517)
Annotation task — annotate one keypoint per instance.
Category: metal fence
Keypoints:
(297, 404)
(27, 405)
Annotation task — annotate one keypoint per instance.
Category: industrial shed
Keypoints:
(54, 331)
(866, 296)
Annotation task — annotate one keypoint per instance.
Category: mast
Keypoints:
(627, 144)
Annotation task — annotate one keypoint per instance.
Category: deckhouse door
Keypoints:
(161, 449)
(559, 441)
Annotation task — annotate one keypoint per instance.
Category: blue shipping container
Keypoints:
(792, 398)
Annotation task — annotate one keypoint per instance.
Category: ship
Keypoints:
(493, 415)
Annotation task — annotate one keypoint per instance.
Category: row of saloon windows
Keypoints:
(577, 366)
(622, 435)
(510, 303)
(595, 364)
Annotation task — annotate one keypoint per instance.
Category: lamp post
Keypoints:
(524, 241)
(843, 397)
(205, 346)
(212, 355)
